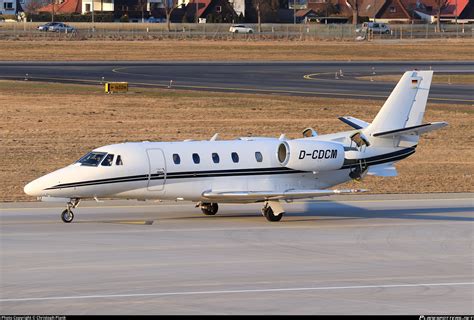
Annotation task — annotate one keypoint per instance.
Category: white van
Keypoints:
(376, 27)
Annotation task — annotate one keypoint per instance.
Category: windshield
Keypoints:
(92, 159)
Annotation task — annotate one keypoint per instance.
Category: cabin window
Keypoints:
(258, 156)
(215, 158)
(109, 159)
(92, 159)
(119, 162)
(235, 157)
(196, 158)
(176, 158)
(219, 9)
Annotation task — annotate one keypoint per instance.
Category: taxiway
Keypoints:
(376, 254)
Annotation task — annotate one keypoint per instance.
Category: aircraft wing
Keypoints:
(255, 196)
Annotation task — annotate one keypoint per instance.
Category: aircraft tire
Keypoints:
(268, 214)
(67, 216)
(210, 209)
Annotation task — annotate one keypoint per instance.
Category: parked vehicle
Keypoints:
(45, 27)
(61, 27)
(154, 20)
(375, 27)
(239, 28)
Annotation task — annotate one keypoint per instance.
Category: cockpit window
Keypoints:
(109, 159)
(119, 161)
(92, 159)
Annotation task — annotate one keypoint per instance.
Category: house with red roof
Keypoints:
(388, 10)
(63, 6)
(220, 11)
(396, 10)
(79, 6)
(461, 10)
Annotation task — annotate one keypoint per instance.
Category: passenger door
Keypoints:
(157, 170)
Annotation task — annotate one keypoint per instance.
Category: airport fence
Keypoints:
(182, 31)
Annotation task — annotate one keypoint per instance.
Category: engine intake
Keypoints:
(310, 155)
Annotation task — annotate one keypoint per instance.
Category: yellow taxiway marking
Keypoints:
(141, 222)
(311, 75)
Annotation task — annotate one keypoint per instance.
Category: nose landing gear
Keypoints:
(67, 215)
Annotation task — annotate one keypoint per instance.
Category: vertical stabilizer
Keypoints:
(406, 104)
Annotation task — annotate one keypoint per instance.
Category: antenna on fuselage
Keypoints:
(282, 137)
(214, 137)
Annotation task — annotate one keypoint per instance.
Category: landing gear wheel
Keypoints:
(268, 214)
(67, 216)
(209, 209)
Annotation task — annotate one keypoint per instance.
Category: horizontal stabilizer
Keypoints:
(416, 130)
(251, 196)
(383, 170)
(354, 122)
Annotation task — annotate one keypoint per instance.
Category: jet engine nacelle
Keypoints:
(310, 155)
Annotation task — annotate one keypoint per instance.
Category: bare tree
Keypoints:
(264, 8)
(440, 5)
(169, 6)
(53, 2)
(32, 6)
(142, 6)
(354, 5)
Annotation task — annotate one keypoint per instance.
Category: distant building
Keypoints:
(98, 6)
(239, 6)
(220, 11)
(388, 10)
(8, 6)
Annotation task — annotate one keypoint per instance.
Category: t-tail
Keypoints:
(400, 120)
(395, 131)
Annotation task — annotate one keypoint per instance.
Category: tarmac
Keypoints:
(360, 254)
(335, 79)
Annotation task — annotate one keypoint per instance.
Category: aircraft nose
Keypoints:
(33, 188)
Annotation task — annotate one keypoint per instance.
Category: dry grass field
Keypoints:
(236, 50)
(47, 126)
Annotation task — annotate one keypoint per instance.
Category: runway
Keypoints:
(367, 254)
(282, 78)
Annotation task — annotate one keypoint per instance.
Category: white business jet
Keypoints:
(250, 169)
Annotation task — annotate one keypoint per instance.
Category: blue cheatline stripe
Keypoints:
(348, 164)
(389, 157)
(180, 175)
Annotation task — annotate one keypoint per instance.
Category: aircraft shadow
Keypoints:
(338, 210)
(342, 211)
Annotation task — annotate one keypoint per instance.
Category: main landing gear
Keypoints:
(67, 215)
(209, 209)
(273, 211)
